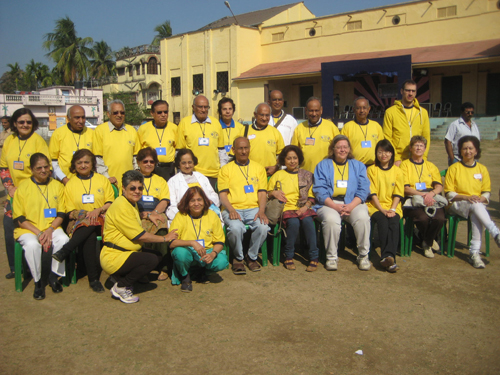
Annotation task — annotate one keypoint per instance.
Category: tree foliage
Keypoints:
(162, 31)
(134, 112)
(103, 64)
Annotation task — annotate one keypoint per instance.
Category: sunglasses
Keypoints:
(22, 122)
(161, 112)
(118, 112)
(134, 188)
(469, 112)
(148, 162)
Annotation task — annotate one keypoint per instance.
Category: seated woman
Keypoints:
(341, 188)
(185, 161)
(386, 192)
(152, 206)
(121, 256)
(200, 240)
(467, 185)
(295, 191)
(421, 177)
(87, 196)
(38, 213)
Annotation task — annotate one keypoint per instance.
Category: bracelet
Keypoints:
(52, 227)
(39, 234)
(148, 215)
(216, 253)
(392, 209)
(164, 239)
(157, 212)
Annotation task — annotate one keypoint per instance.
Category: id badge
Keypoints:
(227, 148)
(148, 198)
(251, 136)
(201, 242)
(342, 183)
(88, 198)
(310, 141)
(161, 151)
(420, 186)
(478, 176)
(366, 144)
(203, 141)
(248, 189)
(49, 212)
(19, 165)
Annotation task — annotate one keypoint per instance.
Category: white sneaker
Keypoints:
(427, 250)
(476, 261)
(331, 265)
(123, 294)
(364, 263)
(435, 246)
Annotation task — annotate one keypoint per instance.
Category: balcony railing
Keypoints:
(50, 100)
(134, 51)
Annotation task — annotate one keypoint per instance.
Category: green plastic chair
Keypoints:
(453, 221)
(408, 237)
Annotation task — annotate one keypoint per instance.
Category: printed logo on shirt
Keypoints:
(55, 197)
(393, 184)
(214, 135)
(325, 138)
(132, 143)
(209, 232)
(100, 191)
(89, 144)
(271, 142)
(157, 190)
(375, 137)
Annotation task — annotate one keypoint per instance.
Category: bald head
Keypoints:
(262, 115)
(76, 118)
(361, 109)
(241, 149)
(201, 107)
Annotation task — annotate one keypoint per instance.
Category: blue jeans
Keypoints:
(236, 229)
(450, 162)
(292, 231)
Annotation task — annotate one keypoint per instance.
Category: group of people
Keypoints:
(180, 190)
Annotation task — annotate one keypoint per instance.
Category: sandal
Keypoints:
(313, 266)
(162, 276)
(239, 268)
(289, 265)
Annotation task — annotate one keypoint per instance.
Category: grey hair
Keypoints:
(312, 98)
(335, 140)
(199, 96)
(116, 101)
(130, 176)
(266, 104)
(360, 98)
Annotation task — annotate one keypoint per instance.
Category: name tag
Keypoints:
(478, 176)
(227, 148)
(161, 151)
(341, 183)
(19, 165)
(248, 189)
(310, 141)
(420, 186)
(251, 136)
(366, 144)
(201, 242)
(203, 141)
(49, 212)
(148, 198)
(88, 198)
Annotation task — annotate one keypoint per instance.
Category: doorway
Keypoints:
(451, 89)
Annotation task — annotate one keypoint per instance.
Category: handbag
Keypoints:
(274, 208)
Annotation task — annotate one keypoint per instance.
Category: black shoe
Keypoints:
(97, 286)
(203, 279)
(39, 292)
(10, 275)
(61, 255)
(143, 280)
(187, 286)
(55, 283)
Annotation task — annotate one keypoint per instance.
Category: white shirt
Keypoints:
(458, 129)
(286, 128)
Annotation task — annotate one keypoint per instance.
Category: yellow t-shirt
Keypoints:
(234, 177)
(426, 172)
(65, 142)
(265, 145)
(385, 184)
(189, 135)
(15, 149)
(290, 186)
(122, 227)
(30, 200)
(207, 227)
(322, 135)
(230, 134)
(151, 136)
(117, 148)
(96, 184)
(358, 136)
(156, 187)
(342, 175)
(465, 180)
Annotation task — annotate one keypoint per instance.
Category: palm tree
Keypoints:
(162, 31)
(16, 72)
(69, 52)
(103, 64)
(31, 76)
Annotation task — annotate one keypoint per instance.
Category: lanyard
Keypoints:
(343, 170)
(194, 227)
(47, 191)
(21, 149)
(79, 138)
(243, 173)
(316, 127)
(147, 188)
(228, 136)
(421, 171)
(90, 186)
(204, 128)
(364, 134)
(160, 139)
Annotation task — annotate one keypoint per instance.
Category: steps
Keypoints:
(489, 127)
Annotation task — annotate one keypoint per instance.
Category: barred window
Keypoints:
(130, 71)
(223, 81)
(177, 118)
(354, 25)
(175, 84)
(121, 71)
(153, 66)
(198, 82)
(447, 12)
(138, 69)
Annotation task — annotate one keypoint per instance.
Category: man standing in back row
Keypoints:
(405, 119)
(286, 124)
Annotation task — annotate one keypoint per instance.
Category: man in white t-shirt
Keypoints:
(286, 124)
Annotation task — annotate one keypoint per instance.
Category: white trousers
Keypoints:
(480, 218)
(33, 252)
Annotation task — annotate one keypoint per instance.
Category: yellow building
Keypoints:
(450, 47)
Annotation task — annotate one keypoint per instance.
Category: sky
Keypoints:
(23, 23)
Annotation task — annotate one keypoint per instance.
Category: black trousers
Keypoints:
(213, 182)
(8, 230)
(428, 227)
(388, 233)
(165, 171)
(85, 239)
(138, 265)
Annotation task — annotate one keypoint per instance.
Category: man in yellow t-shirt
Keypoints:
(115, 145)
(314, 136)
(160, 134)
(363, 133)
(266, 142)
(66, 140)
(243, 194)
(201, 133)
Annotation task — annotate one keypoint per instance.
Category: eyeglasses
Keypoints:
(134, 188)
(22, 122)
(161, 112)
(118, 112)
(148, 162)
(469, 112)
(204, 107)
(341, 147)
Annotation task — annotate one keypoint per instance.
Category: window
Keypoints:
(198, 83)
(121, 71)
(143, 68)
(447, 12)
(130, 71)
(152, 66)
(138, 69)
(177, 118)
(278, 37)
(175, 85)
(354, 25)
(223, 81)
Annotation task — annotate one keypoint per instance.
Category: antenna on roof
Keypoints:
(226, 3)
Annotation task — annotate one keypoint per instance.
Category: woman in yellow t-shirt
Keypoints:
(39, 213)
(198, 248)
(467, 185)
(386, 192)
(295, 192)
(87, 196)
